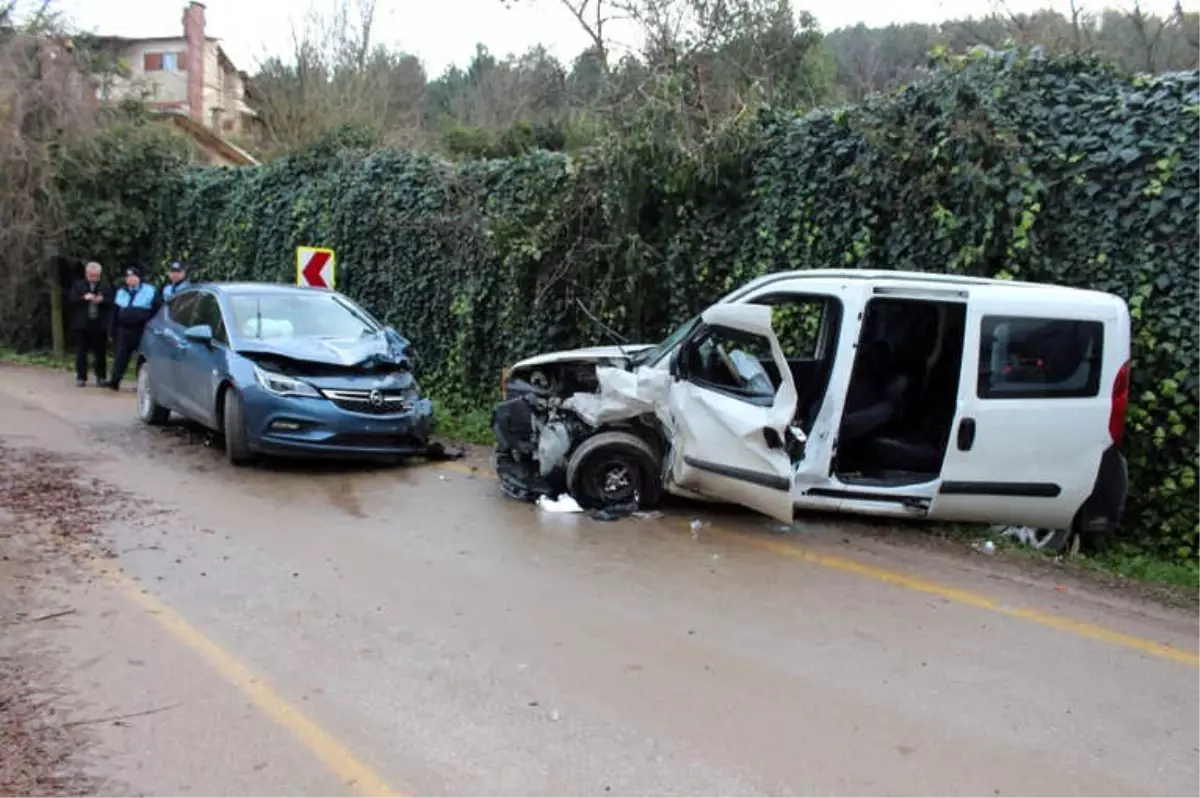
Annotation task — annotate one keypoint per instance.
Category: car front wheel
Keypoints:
(149, 410)
(237, 445)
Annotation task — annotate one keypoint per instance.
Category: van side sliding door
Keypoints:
(1032, 415)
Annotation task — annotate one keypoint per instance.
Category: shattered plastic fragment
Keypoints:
(614, 512)
(438, 451)
(697, 525)
(653, 515)
(553, 445)
(563, 504)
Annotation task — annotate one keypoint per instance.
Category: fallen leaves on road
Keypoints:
(44, 499)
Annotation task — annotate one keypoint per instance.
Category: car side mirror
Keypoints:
(199, 334)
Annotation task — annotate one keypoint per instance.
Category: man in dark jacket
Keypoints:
(177, 281)
(133, 305)
(89, 306)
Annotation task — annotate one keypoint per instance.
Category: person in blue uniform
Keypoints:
(133, 305)
(177, 280)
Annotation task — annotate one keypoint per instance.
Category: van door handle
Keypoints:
(966, 434)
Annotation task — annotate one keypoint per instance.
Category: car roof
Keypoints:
(261, 289)
(925, 279)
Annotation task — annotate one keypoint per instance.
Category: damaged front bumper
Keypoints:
(312, 427)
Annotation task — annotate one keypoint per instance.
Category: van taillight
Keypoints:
(1120, 403)
(504, 383)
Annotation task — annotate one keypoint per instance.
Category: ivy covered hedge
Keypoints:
(1058, 171)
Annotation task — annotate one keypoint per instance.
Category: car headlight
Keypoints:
(283, 385)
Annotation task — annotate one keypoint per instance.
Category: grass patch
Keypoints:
(464, 426)
(1124, 561)
(1143, 567)
(41, 359)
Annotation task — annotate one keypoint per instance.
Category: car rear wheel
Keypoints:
(612, 469)
(237, 445)
(150, 411)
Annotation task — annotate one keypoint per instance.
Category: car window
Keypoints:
(1022, 358)
(299, 315)
(181, 309)
(208, 311)
(730, 361)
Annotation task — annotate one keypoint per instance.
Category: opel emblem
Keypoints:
(375, 397)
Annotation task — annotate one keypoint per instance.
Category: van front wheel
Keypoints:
(613, 469)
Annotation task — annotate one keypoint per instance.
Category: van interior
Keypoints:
(807, 326)
(902, 397)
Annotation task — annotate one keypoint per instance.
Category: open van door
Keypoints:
(729, 422)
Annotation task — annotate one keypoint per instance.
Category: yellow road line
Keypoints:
(956, 595)
(333, 754)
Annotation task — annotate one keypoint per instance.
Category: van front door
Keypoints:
(730, 422)
(1032, 420)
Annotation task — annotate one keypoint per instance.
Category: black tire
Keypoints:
(149, 411)
(615, 468)
(237, 446)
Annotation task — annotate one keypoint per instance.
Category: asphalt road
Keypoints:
(296, 630)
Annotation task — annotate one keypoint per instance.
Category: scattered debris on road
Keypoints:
(563, 504)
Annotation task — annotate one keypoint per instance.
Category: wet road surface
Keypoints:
(291, 629)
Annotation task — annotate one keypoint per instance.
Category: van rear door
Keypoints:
(1033, 411)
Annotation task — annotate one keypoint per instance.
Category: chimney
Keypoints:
(193, 33)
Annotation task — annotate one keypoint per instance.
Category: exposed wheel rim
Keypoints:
(144, 397)
(613, 480)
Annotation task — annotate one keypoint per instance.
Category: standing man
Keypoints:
(134, 304)
(176, 281)
(90, 306)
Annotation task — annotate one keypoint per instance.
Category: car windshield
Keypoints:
(295, 315)
(656, 352)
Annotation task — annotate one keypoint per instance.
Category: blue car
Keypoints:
(282, 370)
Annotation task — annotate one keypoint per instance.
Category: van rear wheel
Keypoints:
(613, 469)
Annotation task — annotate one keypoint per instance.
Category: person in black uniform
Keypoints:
(133, 305)
(90, 306)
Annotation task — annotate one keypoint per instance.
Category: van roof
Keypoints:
(916, 279)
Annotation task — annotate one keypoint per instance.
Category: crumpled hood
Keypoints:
(382, 347)
(589, 355)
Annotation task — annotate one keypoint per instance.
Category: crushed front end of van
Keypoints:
(580, 423)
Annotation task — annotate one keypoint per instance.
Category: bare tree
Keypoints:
(593, 17)
(337, 75)
(44, 102)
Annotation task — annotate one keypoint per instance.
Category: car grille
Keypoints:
(376, 402)
(368, 441)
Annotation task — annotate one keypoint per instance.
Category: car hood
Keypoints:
(369, 350)
(592, 354)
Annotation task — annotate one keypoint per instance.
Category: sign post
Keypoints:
(316, 267)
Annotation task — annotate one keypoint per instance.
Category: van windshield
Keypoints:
(649, 357)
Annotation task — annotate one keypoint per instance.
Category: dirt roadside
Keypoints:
(48, 515)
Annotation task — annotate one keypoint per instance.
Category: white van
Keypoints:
(886, 393)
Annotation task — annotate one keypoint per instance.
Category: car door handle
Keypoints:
(966, 434)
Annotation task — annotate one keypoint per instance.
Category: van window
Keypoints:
(730, 361)
(1029, 358)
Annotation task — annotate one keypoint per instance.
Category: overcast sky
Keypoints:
(442, 32)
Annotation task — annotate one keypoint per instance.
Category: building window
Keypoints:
(1029, 358)
(164, 62)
